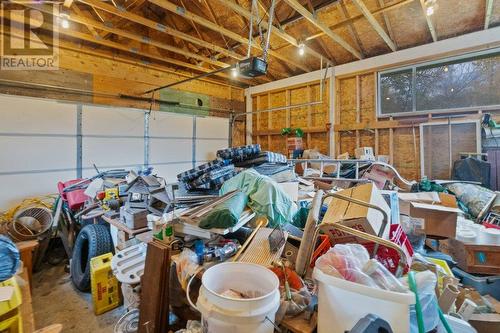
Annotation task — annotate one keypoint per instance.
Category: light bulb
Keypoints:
(430, 10)
(65, 23)
(302, 49)
(234, 72)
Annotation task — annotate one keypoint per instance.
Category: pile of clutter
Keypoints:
(333, 245)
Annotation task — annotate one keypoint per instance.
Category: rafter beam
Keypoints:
(68, 3)
(351, 27)
(77, 10)
(276, 31)
(387, 22)
(429, 21)
(159, 27)
(374, 23)
(489, 10)
(210, 25)
(133, 6)
(361, 16)
(323, 27)
(144, 40)
(117, 46)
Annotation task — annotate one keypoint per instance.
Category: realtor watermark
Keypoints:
(29, 35)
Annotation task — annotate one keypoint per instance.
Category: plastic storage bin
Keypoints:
(10, 315)
(484, 284)
(341, 304)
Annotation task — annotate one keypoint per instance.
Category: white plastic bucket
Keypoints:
(341, 304)
(221, 314)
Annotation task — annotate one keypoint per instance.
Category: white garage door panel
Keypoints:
(112, 121)
(36, 153)
(212, 128)
(30, 115)
(170, 171)
(170, 125)
(111, 152)
(170, 150)
(207, 149)
(24, 186)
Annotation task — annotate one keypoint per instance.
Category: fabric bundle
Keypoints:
(212, 179)
(194, 173)
(263, 157)
(239, 154)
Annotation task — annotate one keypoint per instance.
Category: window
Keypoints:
(450, 84)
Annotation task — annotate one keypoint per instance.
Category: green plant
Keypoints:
(299, 133)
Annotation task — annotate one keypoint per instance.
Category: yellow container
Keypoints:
(105, 287)
(10, 316)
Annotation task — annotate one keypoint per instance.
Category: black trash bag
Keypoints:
(472, 169)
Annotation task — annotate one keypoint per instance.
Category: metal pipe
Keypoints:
(75, 91)
(201, 76)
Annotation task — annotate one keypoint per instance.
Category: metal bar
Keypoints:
(190, 79)
(147, 115)
(79, 140)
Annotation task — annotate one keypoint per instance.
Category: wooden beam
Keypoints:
(360, 16)
(487, 16)
(130, 7)
(90, 28)
(374, 23)
(387, 22)
(159, 27)
(323, 27)
(429, 21)
(68, 3)
(275, 31)
(210, 25)
(141, 39)
(351, 27)
(121, 47)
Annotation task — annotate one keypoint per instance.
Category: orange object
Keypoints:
(322, 248)
(293, 278)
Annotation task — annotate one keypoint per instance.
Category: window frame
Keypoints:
(414, 68)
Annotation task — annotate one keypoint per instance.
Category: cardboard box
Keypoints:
(294, 143)
(359, 217)
(437, 212)
(485, 322)
(364, 153)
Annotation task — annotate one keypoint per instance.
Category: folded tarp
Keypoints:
(226, 214)
(265, 197)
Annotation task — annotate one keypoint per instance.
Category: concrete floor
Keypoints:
(57, 301)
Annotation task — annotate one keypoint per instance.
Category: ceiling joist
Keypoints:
(159, 27)
(487, 16)
(210, 25)
(374, 23)
(275, 31)
(429, 21)
(323, 27)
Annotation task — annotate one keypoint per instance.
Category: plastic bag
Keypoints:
(9, 257)
(426, 284)
(186, 265)
(352, 262)
(192, 326)
(346, 261)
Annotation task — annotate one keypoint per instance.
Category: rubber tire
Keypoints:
(92, 241)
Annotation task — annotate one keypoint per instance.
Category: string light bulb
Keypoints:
(430, 7)
(64, 20)
(302, 49)
(234, 72)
